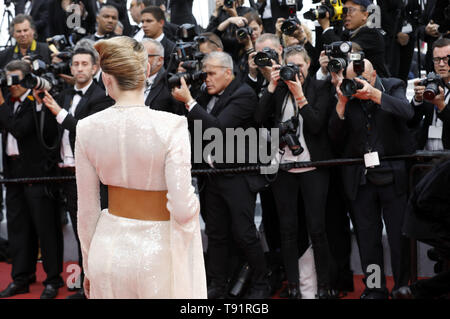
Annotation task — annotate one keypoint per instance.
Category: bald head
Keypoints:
(369, 73)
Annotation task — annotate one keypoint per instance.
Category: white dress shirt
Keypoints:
(66, 150)
(12, 148)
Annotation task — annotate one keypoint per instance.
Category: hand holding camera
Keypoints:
(181, 93)
(274, 78)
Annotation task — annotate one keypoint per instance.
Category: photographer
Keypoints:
(157, 93)
(271, 10)
(369, 39)
(298, 105)
(370, 121)
(230, 18)
(73, 104)
(229, 200)
(268, 50)
(23, 31)
(432, 117)
(32, 218)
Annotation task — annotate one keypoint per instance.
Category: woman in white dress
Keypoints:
(147, 244)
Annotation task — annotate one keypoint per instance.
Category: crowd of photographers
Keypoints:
(342, 95)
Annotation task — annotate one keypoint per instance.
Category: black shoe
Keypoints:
(50, 292)
(216, 291)
(374, 294)
(294, 291)
(324, 293)
(402, 293)
(259, 293)
(14, 289)
(78, 295)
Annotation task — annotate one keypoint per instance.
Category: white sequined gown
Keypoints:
(138, 148)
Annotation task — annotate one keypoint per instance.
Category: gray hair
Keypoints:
(269, 36)
(224, 59)
(87, 44)
(156, 44)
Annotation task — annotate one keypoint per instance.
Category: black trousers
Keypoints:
(371, 204)
(69, 189)
(313, 187)
(339, 234)
(33, 221)
(229, 206)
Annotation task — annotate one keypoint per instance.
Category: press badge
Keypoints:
(435, 131)
(371, 159)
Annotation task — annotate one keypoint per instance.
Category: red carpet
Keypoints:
(36, 288)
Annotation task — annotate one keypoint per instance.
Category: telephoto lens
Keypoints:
(31, 81)
(337, 64)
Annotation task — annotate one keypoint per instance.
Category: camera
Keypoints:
(432, 83)
(358, 61)
(288, 135)
(333, 7)
(289, 71)
(186, 32)
(191, 78)
(243, 32)
(228, 3)
(338, 53)
(289, 25)
(59, 41)
(350, 86)
(8, 80)
(264, 57)
(45, 82)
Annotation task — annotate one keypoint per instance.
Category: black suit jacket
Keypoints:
(234, 109)
(423, 118)
(10, 54)
(39, 13)
(350, 135)
(315, 120)
(169, 47)
(372, 43)
(93, 101)
(160, 98)
(24, 125)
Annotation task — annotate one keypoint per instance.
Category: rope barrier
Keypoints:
(419, 155)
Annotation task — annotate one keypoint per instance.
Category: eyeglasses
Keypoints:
(438, 60)
(351, 10)
(203, 39)
(297, 48)
(151, 55)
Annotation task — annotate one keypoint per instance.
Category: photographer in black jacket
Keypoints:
(299, 108)
(370, 121)
(32, 218)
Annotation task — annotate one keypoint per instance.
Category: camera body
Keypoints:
(264, 57)
(191, 78)
(350, 86)
(288, 135)
(8, 80)
(243, 32)
(432, 83)
(338, 53)
(289, 71)
(333, 7)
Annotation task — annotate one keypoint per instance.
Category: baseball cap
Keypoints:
(364, 3)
